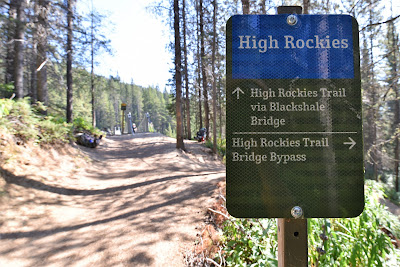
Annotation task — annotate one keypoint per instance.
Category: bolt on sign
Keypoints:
(294, 120)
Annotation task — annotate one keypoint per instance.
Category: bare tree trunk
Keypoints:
(189, 134)
(12, 17)
(246, 6)
(92, 70)
(19, 49)
(203, 71)
(395, 88)
(41, 68)
(263, 7)
(374, 102)
(396, 149)
(69, 60)
(199, 64)
(33, 84)
(178, 79)
(306, 6)
(214, 89)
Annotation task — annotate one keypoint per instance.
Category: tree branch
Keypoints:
(379, 23)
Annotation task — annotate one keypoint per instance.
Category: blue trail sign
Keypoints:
(294, 128)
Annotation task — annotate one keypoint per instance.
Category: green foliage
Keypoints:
(361, 241)
(170, 132)
(52, 132)
(250, 242)
(5, 107)
(6, 89)
(391, 194)
(24, 121)
(221, 146)
(80, 125)
(357, 241)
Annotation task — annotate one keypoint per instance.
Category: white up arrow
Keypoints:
(237, 91)
(351, 143)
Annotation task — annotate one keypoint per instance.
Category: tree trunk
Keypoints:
(69, 60)
(214, 89)
(178, 79)
(203, 71)
(374, 153)
(92, 70)
(306, 6)
(189, 134)
(395, 88)
(19, 49)
(33, 84)
(246, 6)
(263, 7)
(41, 68)
(12, 17)
(199, 65)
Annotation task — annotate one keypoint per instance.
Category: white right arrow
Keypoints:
(351, 143)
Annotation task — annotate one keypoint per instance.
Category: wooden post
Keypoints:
(292, 243)
(122, 122)
(292, 233)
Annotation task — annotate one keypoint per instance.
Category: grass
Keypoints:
(221, 147)
(360, 241)
(26, 123)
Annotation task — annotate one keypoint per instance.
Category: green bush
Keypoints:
(6, 89)
(360, 241)
(250, 242)
(25, 122)
(80, 125)
(5, 107)
(357, 241)
(221, 145)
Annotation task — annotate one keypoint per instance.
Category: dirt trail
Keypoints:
(137, 204)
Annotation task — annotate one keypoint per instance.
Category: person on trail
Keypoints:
(201, 135)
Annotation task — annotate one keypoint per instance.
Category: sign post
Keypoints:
(294, 128)
(292, 233)
(123, 108)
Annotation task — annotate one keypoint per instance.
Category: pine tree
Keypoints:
(70, 4)
(178, 78)
(214, 78)
(41, 60)
(19, 41)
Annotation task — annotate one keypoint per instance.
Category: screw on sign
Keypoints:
(294, 129)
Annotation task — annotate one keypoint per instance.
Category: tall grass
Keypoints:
(361, 241)
(26, 123)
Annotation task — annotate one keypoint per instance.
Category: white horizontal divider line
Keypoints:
(294, 132)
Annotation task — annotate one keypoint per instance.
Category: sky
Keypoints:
(139, 41)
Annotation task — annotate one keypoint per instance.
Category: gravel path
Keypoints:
(137, 204)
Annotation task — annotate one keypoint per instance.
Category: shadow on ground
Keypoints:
(138, 205)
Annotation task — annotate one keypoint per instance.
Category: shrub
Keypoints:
(5, 107)
(80, 125)
(360, 241)
(24, 121)
(221, 145)
(250, 242)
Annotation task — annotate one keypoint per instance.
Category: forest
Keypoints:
(49, 53)
(199, 80)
